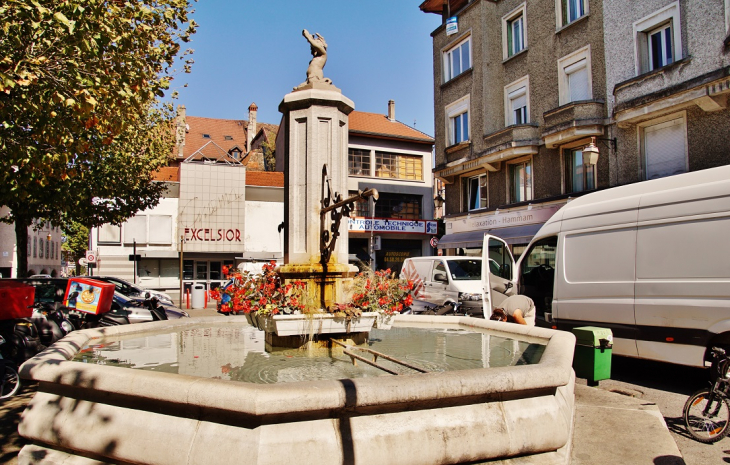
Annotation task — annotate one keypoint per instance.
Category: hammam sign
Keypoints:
(391, 225)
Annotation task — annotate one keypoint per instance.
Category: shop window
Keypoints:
(520, 175)
(664, 146)
(362, 206)
(398, 166)
(575, 80)
(657, 39)
(514, 33)
(457, 117)
(570, 11)
(29, 246)
(359, 162)
(457, 59)
(580, 177)
(517, 102)
(188, 269)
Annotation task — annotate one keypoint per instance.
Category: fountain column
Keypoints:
(315, 126)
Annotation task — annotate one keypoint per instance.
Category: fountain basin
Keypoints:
(112, 414)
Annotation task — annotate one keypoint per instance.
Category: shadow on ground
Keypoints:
(10, 411)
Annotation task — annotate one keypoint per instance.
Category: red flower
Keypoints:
(225, 270)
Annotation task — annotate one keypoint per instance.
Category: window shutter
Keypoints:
(664, 148)
(578, 81)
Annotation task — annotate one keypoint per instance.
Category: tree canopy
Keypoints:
(81, 127)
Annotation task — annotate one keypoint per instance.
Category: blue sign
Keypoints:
(452, 25)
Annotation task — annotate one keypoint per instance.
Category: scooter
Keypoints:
(22, 340)
(9, 379)
(51, 323)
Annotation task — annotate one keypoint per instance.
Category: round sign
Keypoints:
(82, 261)
(90, 256)
(434, 242)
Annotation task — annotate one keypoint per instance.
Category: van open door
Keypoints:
(499, 274)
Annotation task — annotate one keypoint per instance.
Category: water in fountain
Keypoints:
(238, 354)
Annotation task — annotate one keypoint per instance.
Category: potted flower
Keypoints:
(381, 292)
(259, 294)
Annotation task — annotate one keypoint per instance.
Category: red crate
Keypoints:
(16, 300)
(89, 295)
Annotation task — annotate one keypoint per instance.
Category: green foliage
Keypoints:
(77, 241)
(81, 131)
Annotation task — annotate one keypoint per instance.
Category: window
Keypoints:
(664, 146)
(657, 39)
(537, 272)
(362, 206)
(398, 166)
(476, 192)
(135, 229)
(35, 245)
(358, 162)
(403, 206)
(660, 47)
(575, 82)
(47, 247)
(513, 32)
(571, 10)
(160, 229)
(29, 246)
(517, 109)
(457, 59)
(520, 181)
(53, 250)
(457, 115)
(580, 177)
(109, 233)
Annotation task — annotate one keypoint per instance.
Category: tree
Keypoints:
(81, 130)
(77, 242)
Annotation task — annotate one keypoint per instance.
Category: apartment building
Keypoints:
(537, 102)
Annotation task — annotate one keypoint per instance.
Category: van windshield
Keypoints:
(465, 270)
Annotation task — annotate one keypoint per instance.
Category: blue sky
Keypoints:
(253, 51)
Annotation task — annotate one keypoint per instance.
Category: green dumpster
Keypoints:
(593, 347)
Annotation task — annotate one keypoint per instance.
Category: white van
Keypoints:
(451, 280)
(650, 261)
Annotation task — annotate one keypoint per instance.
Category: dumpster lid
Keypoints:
(591, 335)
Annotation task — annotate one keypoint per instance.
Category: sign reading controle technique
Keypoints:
(384, 225)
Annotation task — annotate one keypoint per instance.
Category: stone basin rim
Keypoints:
(53, 366)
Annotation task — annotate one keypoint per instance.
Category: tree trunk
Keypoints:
(21, 245)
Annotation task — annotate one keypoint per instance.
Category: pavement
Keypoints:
(610, 428)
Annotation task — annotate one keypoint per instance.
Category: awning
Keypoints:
(474, 239)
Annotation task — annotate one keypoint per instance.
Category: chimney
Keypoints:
(180, 130)
(252, 109)
(391, 110)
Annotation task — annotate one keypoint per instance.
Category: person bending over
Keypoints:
(516, 309)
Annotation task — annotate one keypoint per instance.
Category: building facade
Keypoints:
(44, 249)
(395, 159)
(522, 87)
(223, 209)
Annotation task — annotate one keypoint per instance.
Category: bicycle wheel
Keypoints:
(706, 423)
(10, 382)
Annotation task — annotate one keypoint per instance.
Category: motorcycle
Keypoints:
(9, 379)
(51, 323)
(22, 340)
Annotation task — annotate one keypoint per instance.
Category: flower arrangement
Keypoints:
(259, 293)
(380, 291)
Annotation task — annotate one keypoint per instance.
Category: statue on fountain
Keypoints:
(315, 73)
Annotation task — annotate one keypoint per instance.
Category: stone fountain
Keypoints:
(87, 414)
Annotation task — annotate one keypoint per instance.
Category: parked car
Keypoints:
(132, 290)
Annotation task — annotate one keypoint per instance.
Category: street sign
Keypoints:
(434, 242)
(82, 261)
(90, 256)
(135, 258)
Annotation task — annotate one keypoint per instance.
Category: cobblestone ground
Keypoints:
(10, 411)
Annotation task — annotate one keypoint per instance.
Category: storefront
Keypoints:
(517, 227)
(389, 241)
